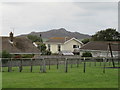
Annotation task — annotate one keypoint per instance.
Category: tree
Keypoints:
(39, 42)
(34, 38)
(86, 40)
(42, 47)
(107, 35)
(43, 50)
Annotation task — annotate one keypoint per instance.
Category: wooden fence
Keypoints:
(42, 61)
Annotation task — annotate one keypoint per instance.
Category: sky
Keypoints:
(82, 17)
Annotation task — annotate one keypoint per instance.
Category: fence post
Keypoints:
(20, 67)
(118, 61)
(94, 62)
(84, 66)
(10, 65)
(1, 65)
(66, 66)
(109, 62)
(104, 65)
(90, 63)
(41, 62)
(57, 63)
(80, 61)
(49, 64)
(100, 63)
(31, 65)
(77, 63)
(44, 66)
(71, 63)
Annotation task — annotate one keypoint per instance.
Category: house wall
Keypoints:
(66, 46)
(97, 53)
(54, 47)
(69, 45)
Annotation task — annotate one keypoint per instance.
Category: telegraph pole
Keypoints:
(111, 54)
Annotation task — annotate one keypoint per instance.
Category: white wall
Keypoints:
(69, 45)
(66, 46)
(54, 47)
(97, 53)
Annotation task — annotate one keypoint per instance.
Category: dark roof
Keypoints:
(58, 39)
(101, 45)
(20, 45)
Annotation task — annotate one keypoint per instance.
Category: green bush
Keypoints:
(42, 47)
(86, 54)
(27, 55)
(46, 52)
(6, 54)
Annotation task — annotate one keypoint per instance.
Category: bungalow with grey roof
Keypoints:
(18, 45)
(101, 48)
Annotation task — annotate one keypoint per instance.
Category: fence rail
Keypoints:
(42, 61)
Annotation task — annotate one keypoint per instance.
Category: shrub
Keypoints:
(27, 55)
(6, 54)
(46, 52)
(99, 59)
(86, 54)
(17, 56)
(42, 47)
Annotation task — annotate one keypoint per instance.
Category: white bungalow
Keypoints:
(63, 44)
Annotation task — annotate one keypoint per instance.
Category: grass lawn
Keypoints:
(75, 78)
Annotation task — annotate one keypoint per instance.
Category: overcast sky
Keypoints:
(86, 18)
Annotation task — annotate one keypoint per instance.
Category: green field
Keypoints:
(53, 78)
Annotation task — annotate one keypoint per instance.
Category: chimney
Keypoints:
(41, 38)
(11, 36)
(40, 35)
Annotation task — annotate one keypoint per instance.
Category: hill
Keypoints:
(59, 33)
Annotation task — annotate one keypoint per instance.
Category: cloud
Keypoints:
(85, 18)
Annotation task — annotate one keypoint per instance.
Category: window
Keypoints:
(48, 47)
(75, 46)
(59, 47)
